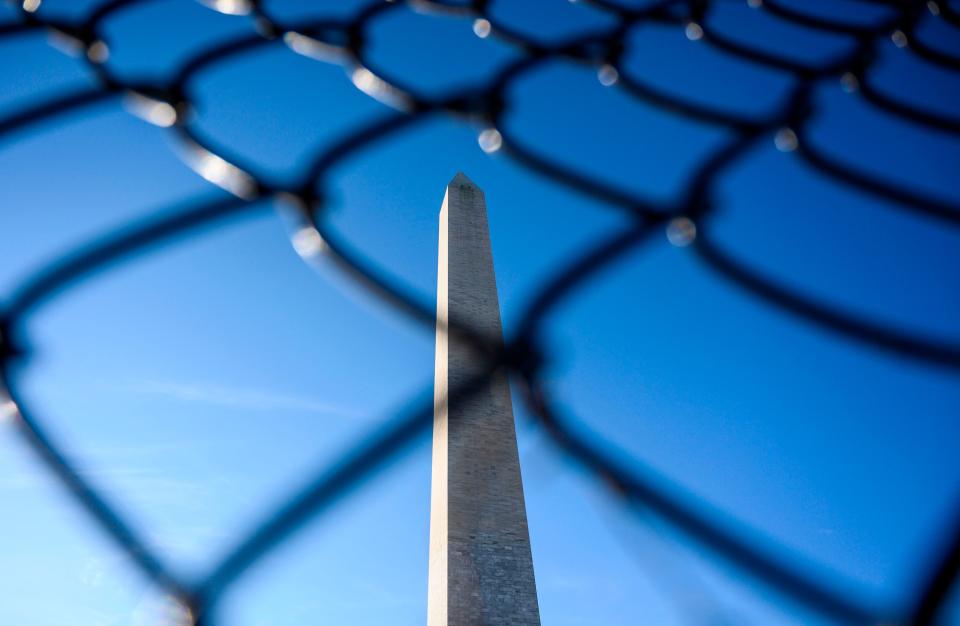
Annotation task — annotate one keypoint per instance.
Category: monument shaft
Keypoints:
(481, 568)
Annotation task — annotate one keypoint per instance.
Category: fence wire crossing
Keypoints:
(487, 106)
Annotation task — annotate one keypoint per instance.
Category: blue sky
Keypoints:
(198, 385)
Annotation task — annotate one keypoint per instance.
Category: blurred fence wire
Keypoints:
(487, 106)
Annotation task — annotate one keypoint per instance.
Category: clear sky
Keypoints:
(202, 383)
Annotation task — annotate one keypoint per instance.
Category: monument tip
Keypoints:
(461, 180)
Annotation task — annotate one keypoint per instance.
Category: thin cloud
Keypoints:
(224, 396)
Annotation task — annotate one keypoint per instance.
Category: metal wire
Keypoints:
(346, 42)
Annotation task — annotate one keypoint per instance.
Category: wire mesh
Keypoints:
(487, 105)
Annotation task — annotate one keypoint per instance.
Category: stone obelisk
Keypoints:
(481, 568)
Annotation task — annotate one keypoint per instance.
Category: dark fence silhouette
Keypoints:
(346, 43)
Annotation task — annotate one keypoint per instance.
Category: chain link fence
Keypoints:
(487, 106)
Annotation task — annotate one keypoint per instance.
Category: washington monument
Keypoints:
(481, 568)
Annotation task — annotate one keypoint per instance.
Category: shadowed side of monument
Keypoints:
(481, 568)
